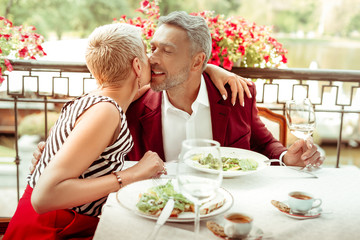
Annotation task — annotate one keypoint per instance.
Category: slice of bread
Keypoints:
(213, 204)
(216, 229)
(281, 206)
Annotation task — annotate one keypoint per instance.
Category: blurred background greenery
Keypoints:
(321, 33)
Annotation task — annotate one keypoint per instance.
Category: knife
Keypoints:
(165, 214)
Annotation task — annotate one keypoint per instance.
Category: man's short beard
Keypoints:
(172, 81)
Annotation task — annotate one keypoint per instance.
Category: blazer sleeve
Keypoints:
(262, 140)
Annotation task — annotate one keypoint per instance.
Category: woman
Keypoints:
(85, 151)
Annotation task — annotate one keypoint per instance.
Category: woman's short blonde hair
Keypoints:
(111, 50)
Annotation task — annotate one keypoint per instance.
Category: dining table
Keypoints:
(338, 188)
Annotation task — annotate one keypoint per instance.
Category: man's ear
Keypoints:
(198, 61)
(137, 67)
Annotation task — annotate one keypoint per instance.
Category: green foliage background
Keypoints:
(77, 18)
(34, 124)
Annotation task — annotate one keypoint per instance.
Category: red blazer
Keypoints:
(232, 126)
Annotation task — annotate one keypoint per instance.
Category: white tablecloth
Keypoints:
(339, 188)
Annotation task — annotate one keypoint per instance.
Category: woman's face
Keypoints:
(145, 70)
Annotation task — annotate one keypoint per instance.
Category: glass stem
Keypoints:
(308, 166)
(197, 221)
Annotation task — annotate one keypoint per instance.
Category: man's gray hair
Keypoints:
(196, 28)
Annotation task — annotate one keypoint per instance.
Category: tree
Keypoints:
(354, 24)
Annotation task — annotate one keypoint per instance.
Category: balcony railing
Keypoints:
(43, 86)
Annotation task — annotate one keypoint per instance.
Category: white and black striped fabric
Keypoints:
(112, 159)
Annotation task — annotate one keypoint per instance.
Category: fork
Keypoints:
(303, 170)
(156, 181)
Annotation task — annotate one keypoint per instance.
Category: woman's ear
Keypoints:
(198, 61)
(137, 67)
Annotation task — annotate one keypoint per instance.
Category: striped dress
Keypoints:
(112, 159)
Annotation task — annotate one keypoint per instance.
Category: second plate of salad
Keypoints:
(236, 162)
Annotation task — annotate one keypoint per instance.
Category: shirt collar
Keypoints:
(202, 97)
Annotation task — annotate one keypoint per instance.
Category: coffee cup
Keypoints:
(237, 225)
(302, 202)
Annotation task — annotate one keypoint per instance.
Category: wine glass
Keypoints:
(199, 186)
(300, 118)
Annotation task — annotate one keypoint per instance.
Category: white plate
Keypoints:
(128, 196)
(235, 153)
(313, 213)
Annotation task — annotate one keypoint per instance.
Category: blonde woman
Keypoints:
(84, 154)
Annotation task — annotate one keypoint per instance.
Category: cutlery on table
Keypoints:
(165, 214)
(303, 170)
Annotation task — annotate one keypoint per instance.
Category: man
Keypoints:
(183, 103)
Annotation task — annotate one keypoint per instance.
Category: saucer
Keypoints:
(313, 213)
(218, 230)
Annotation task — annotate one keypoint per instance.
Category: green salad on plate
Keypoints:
(229, 163)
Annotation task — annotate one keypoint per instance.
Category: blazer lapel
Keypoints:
(151, 124)
(219, 111)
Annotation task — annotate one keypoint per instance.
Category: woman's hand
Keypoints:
(149, 166)
(238, 84)
(36, 156)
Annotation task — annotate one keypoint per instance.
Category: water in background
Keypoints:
(328, 54)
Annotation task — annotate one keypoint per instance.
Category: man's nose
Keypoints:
(152, 58)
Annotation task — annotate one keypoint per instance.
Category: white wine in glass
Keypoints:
(300, 118)
(199, 186)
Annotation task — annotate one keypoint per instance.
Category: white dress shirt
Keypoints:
(178, 125)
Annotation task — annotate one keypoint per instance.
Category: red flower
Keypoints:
(252, 34)
(266, 58)
(8, 22)
(214, 20)
(215, 49)
(145, 4)
(224, 51)
(215, 60)
(227, 64)
(284, 59)
(1, 78)
(23, 52)
(40, 48)
(6, 36)
(150, 33)
(229, 32)
(241, 49)
(8, 65)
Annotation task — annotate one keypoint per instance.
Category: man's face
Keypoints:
(170, 59)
